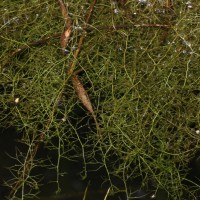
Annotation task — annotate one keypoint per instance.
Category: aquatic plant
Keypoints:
(138, 64)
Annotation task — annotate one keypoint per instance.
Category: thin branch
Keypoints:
(80, 90)
(88, 15)
(67, 33)
(85, 192)
(28, 163)
(168, 4)
(81, 40)
(39, 42)
(107, 193)
(127, 26)
(44, 40)
(65, 14)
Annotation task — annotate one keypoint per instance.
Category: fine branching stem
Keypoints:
(111, 87)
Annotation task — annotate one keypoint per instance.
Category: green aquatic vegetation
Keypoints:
(140, 66)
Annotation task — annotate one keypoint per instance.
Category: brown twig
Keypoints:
(65, 14)
(44, 40)
(80, 90)
(39, 42)
(67, 33)
(168, 4)
(78, 86)
(81, 40)
(89, 13)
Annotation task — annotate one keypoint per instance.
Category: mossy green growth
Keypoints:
(140, 66)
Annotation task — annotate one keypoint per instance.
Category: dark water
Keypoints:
(72, 186)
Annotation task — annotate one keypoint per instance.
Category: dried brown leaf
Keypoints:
(83, 96)
(64, 39)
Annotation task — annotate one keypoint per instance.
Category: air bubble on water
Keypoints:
(143, 1)
(184, 51)
(189, 4)
(187, 43)
(116, 11)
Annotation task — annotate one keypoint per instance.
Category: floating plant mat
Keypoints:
(115, 84)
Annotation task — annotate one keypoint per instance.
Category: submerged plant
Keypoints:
(136, 62)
